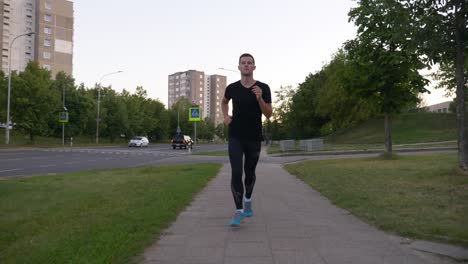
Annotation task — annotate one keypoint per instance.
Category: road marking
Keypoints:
(10, 170)
(12, 153)
(13, 159)
(72, 162)
(46, 166)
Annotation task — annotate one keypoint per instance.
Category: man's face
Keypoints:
(246, 66)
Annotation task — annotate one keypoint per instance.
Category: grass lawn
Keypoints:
(417, 196)
(99, 216)
(212, 153)
(406, 128)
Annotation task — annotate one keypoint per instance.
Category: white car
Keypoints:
(138, 142)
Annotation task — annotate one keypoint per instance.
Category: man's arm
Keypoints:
(225, 110)
(265, 107)
(267, 110)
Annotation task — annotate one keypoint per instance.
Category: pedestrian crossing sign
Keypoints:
(63, 117)
(194, 114)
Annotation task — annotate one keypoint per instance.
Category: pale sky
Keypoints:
(150, 39)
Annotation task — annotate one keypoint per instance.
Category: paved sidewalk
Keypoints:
(292, 223)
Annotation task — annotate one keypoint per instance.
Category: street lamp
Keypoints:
(224, 69)
(98, 103)
(7, 129)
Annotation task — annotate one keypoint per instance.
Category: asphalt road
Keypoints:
(38, 161)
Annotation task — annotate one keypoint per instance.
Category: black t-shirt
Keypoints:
(246, 113)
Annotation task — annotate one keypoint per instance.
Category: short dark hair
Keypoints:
(246, 55)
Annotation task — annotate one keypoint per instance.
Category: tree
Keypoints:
(221, 131)
(303, 121)
(136, 116)
(439, 34)
(35, 104)
(336, 103)
(180, 111)
(64, 85)
(82, 112)
(277, 127)
(384, 69)
(3, 96)
(113, 115)
(156, 120)
(205, 129)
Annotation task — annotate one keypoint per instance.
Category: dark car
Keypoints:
(181, 141)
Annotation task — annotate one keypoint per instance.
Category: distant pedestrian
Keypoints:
(250, 99)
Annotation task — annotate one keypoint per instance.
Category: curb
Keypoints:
(350, 152)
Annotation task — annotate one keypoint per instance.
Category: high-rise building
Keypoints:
(201, 89)
(216, 92)
(52, 43)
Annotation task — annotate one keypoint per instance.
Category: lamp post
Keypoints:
(99, 101)
(224, 69)
(64, 109)
(178, 126)
(7, 129)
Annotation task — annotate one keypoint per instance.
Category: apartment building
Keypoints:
(52, 43)
(440, 107)
(215, 92)
(201, 89)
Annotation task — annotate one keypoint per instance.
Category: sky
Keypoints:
(150, 39)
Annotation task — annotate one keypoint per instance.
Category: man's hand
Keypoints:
(227, 119)
(257, 91)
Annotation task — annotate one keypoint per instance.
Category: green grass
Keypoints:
(407, 128)
(212, 153)
(417, 196)
(99, 216)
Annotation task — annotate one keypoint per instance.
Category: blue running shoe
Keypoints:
(237, 219)
(248, 209)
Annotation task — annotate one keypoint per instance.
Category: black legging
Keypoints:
(251, 150)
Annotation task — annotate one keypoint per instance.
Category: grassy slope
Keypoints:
(407, 128)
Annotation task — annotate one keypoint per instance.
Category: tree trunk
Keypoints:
(388, 133)
(459, 77)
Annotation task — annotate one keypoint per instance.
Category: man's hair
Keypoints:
(246, 55)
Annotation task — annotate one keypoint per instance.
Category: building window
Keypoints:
(47, 30)
(47, 18)
(47, 55)
(47, 42)
(201, 95)
(46, 66)
(48, 5)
